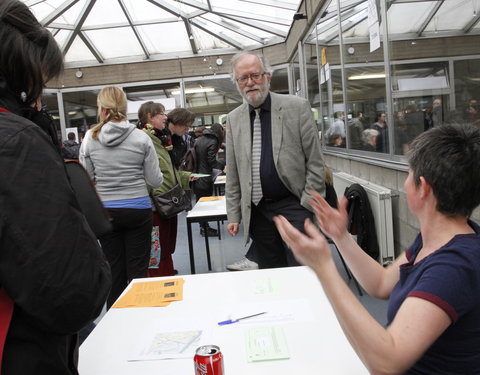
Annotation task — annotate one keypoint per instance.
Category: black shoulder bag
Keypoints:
(172, 202)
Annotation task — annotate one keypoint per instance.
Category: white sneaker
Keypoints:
(243, 265)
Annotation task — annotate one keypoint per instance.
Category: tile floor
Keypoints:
(230, 249)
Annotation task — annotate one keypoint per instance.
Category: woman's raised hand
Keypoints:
(333, 222)
(311, 248)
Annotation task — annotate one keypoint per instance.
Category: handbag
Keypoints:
(171, 202)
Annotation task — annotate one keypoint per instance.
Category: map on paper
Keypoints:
(166, 345)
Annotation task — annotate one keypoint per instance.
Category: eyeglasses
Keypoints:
(255, 77)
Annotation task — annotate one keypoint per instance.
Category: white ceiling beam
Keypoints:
(118, 24)
(470, 25)
(191, 38)
(429, 17)
(347, 25)
(273, 3)
(234, 28)
(257, 25)
(58, 12)
(230, 12)
(217, 35)
(169, 8)
(252, 16)
(31, 3)
(91, 47)
(78, 25)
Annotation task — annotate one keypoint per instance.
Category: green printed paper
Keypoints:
(266, 344)
(266, 286)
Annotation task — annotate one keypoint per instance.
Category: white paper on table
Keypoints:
(170, 343)
(284, 311)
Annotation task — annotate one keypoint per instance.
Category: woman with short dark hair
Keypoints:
(434, 286)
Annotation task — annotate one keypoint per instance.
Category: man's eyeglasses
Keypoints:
(255, 77)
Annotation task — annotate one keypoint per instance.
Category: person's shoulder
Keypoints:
(141, 134)
(463, 250)
(239, 109)
(12, 123)
(14, 126)
(288, 100)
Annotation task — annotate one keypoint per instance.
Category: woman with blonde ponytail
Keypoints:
(122, 161)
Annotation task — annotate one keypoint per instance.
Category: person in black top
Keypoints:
(206, 149)
(52, 269)
(71, 147)
(179, 121)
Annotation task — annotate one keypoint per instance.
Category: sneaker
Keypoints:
(243, 265)
(212, 232)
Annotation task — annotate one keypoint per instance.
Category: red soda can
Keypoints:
(208, 360)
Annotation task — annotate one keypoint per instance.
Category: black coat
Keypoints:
(50, 262)
(206, 148)
(70, 150)
(360, 219)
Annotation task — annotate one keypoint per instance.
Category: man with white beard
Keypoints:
(272, 164)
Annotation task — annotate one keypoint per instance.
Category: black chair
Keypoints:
(347, 271)
(331, 198)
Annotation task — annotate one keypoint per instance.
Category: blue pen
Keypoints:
(230, 321)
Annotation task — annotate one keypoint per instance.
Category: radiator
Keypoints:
(380, 199)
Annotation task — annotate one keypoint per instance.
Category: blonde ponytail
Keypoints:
(114, 101)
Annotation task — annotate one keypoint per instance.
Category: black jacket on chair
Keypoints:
(360, 219)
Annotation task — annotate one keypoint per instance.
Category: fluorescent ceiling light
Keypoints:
(194, 91)
(367, 76)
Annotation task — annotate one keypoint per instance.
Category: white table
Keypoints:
(219, 184)
(316, 346)
(203, 212)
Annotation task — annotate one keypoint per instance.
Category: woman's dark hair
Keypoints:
(148, 108)
(378, 115)
(218, 130)
(29, 55)
(181, 116)
(448, 157)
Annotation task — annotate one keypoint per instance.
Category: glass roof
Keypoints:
(94, 32)
(407, 19)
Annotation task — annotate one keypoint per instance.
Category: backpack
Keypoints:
(188, 162)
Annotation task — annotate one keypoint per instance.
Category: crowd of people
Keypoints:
(55, 276)
(408, 123)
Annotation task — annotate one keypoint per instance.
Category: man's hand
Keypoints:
(232, 228)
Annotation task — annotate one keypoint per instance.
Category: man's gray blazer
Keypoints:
(296, 152)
